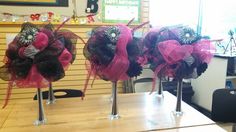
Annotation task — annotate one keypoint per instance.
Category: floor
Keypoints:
(226, 126)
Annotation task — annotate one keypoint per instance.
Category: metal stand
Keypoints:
(112, 91)
(231, 42)
(178, 111)
(41, 116)
(51, 97)
(114, 109)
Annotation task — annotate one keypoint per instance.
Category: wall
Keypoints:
(68, 11)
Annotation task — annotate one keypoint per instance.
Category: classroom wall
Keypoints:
(68, 11)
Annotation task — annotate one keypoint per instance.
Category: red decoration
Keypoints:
(90, 18)
(34, 17)
(50, 14)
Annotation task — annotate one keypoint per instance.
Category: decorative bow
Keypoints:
(90, 18)
(34, 17)
(172, 51)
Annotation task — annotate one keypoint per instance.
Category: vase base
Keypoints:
(50, 101)
(178, 113)
(40, 122)
(159, 95)
(114, 117)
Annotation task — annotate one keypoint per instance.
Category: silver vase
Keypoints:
(51, 98)
(178, 111)
(41, 116)
(111, 97)
(160, 88)
(114, 109)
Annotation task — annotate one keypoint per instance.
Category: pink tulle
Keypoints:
(117, 68)
(9, 90)
(204, 50)
(142, 60)
(65, 58)
(173, 52)
(21, 52)
(33, 80)
(41, 41)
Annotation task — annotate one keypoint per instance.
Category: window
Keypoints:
(174, 12)
(219, 17)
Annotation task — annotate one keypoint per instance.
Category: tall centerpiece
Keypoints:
(177, 52)
(113, 53)
(36, 58)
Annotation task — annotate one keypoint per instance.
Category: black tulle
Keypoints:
(100, 47)
(201, 68)
(21, 67)
(134, 50)
(51, 69)
(134, 70)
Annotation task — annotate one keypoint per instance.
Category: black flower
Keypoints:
(134, 70)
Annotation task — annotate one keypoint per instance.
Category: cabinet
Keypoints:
(213, 78)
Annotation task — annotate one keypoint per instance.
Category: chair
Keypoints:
(143, 84)
(224, 105)
(68, 93)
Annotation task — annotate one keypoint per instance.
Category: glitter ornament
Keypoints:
(44, 17)
(56, 18)
(112, 33)
(188, 36)
(27, 36)
(14, 18)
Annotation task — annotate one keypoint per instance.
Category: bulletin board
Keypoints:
(121, 10)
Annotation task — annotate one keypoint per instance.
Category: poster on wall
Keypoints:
(63, 3)
(121, 10)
